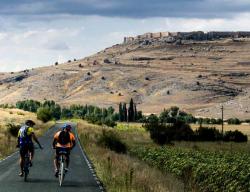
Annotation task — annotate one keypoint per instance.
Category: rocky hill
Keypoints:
(195, 75)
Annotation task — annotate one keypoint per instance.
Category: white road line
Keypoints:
(89, 164)
(8, 157)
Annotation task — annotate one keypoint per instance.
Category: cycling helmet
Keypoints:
(30, 123)
(67, 127)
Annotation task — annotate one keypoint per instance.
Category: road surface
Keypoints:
(80, 178)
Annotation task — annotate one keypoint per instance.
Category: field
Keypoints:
(122, 172)
(17, 117)
(244, 128)
(195, 166)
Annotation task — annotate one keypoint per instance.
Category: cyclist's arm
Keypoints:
(54, 143)
(73, 141)
(36, 140)
(55, 140)
(18, 140)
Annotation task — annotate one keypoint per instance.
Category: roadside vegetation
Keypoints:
(118, 171)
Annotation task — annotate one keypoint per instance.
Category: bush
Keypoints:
(44, 114)
(93, 119)
(13, 129)
(182, 131)
(162, 133)
(112, 141)
(207, 134)
(235, 136)
(109, 122)
(233, 121)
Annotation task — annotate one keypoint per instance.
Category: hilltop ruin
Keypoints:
(195, 35)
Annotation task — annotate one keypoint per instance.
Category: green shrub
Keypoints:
(234, 121)
(109, 122)
(20, 113)
(66, 113)
(44, 114)
(13, 129)
(112, 141)
(207, 134)
(162, 133)
(235, 136)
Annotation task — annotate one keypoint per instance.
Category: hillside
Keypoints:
(195, 75)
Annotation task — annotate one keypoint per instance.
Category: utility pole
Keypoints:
(222, 117)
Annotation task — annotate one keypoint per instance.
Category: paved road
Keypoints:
(41, 178)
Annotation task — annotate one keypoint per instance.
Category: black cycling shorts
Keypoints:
(67, 150)
(26, 148)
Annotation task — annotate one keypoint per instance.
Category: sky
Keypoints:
(39, 33)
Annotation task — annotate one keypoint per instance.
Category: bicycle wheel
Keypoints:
(26, 168)
(61, 170)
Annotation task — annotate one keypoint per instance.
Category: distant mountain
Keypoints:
(195, 75)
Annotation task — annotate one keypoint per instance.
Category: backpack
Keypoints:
(64, 138)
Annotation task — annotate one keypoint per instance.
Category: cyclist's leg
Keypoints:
(67, 158)
(31, 151)
(21, 162)
(56, 164)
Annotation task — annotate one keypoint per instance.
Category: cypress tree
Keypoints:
(131, 112)
(135, 117)
(125, 112)
(121, 114)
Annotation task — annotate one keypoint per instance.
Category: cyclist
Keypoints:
(63, 140)
(25, 143)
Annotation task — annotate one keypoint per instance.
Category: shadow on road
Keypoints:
(36, 180)
(72, 184)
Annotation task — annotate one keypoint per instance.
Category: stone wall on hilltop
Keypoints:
(194, 35)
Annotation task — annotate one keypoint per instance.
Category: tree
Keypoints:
(66, 113)
(111, 110)
(135, 109)
(121, 114)
(125, 112)
(44, 114)
(131, 112)
(56, 111)
(233, 121)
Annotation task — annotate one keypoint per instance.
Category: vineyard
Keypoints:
(201, 170)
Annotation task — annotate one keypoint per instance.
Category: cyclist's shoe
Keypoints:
(21, 174)
(66, 170)
(56, 173)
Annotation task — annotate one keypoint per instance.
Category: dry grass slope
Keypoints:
(196, 76)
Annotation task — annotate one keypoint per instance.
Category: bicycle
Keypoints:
(27, 163)
(62, 161)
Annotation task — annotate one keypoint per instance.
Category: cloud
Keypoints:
(57, 46)
(36, 33)
(128, 8)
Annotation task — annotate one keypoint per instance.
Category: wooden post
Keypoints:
(222, 117)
